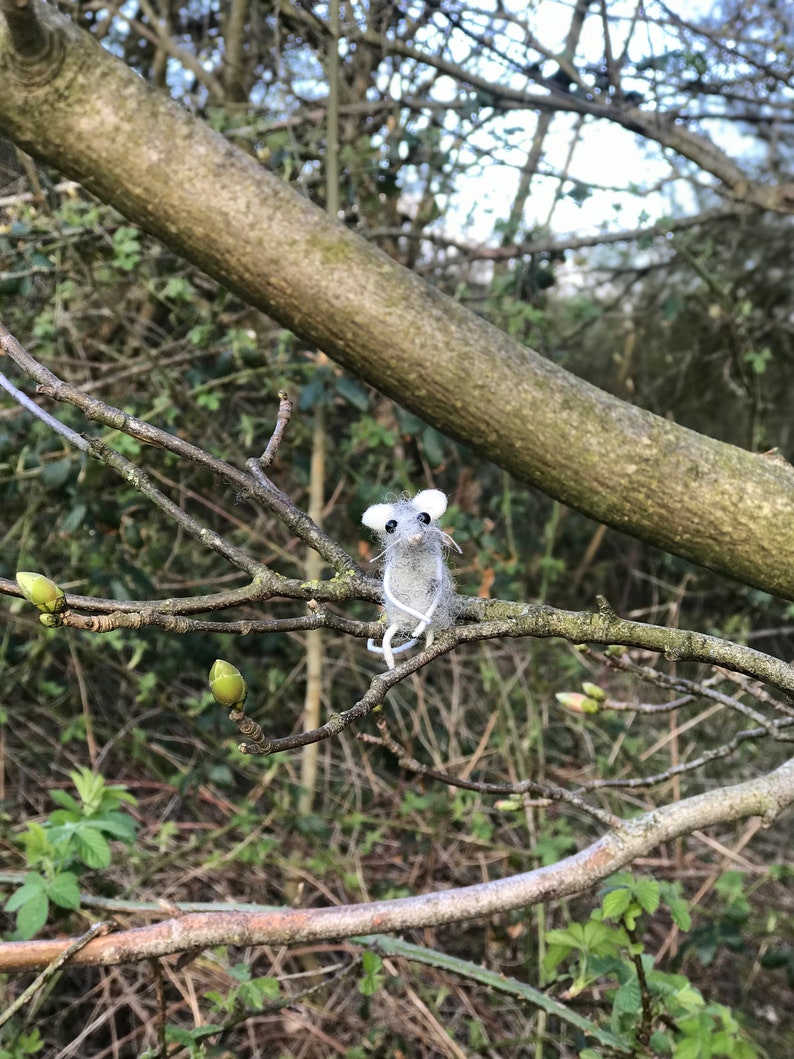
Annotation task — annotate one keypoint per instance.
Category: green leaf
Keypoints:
(37, 843)
(64, 890)
(32, 916)
(369, 984)
(92, 848)
(73, 520)
(187, 1038)
(627, 998)
(615, 903)
(689, 1049)
(352, 392)
(117, 825)
(570, 937)
(679, 910)
(600, 938)
(647, 892)
(66, 801)
(434, 446)
(33, 886)
(555, 954)
(89, 786)
(371, 962)
(259, 991)
(56, 473)
(660, 1043)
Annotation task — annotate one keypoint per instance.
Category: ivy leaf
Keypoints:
(352, 392)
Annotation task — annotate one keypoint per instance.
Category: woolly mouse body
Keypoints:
(417, 586)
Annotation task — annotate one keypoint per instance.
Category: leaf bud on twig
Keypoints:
(227, 684)
(576, 702)
(593, 691)
(41, 592)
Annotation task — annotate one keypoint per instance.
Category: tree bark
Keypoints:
(75, 106)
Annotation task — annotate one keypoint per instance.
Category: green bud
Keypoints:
(227, 684)
(511, 804)
(593, 691)
(576, 702)
(41, 592)
(51, 621)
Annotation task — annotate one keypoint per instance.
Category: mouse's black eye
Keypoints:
(423, 517)
(391, 525)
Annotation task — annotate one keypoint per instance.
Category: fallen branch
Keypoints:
(766, 796)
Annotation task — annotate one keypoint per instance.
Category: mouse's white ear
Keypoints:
(432, 501)
(377, 516)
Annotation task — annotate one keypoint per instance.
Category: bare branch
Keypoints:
(282, 421)
(558, 244)
(257, 487)
(643, 782)
(542, 791)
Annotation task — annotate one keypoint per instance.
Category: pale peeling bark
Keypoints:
(80, 109)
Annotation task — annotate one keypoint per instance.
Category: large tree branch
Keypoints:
(97, 121)
(766, 797)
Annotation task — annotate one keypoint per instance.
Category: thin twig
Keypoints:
(723, 751)
(257, 487)
(57, 427)
(691, 688)
(318, 618)
(539, 790)
(282, 421)
(101, 928)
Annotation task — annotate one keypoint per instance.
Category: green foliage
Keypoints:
(126, 248)
(722, 928)
(251, 994)
(650, 1008)
(73, 839)
(372, 977)
(18, 1043)
(248, 997)
(556, 842)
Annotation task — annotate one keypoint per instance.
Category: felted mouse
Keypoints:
(417, 585)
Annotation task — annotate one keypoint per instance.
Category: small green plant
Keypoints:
(18, 1043)
(723, 928)
(73, 838)
(227, 1010)
(372, 977)
(654, 1012)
